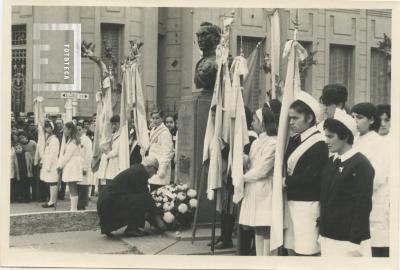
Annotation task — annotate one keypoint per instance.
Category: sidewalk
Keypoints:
(37, 228)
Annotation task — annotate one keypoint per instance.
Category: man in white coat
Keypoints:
(112, 168)
(86, 153)
(161, 146)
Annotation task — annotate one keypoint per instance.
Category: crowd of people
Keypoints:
(66, 159)
(336, 172)
(336, 179)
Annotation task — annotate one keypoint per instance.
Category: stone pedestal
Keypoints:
(193, 115)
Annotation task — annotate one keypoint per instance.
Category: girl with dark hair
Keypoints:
(48, 163)
(305, 156)
(384, 114)
(257, 201)
(374, 148)
(69, 162)
(346, 193)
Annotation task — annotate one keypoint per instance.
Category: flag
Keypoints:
(252, 62)
(103, 132)
(123, 148)
(213, 135)
(294, 52)
(39, 121)
(238, 128)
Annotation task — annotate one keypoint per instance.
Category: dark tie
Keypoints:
(337, 163)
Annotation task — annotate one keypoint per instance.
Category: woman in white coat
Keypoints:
(374, 148)
(48, 163)
(161, 146)
(86, 153)
(256, 208)
(70, 163)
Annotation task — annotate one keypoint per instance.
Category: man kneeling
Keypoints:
(127, 201)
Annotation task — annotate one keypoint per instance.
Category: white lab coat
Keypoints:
(70, 162)
(375, 148)
(161, 147)
(256, 208)
(86, 153)
(48, 172)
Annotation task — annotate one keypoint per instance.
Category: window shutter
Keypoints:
(379, 79)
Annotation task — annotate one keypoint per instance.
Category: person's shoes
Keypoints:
(45, 205)
(109, 234)
(222, 245)
(216, 241)
(134, 232)
(158, 223)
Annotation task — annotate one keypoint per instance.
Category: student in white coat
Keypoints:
(373, 147)
(256, 207)
(70, 163)
(161, 146)
(86, 153)
(48, 163)
(112, 168)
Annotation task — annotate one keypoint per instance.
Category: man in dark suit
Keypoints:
(126, 200)
(305, 156)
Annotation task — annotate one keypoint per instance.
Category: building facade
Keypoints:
(345, 44)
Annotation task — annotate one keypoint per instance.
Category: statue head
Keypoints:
(208, 36)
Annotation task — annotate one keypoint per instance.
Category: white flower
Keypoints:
(180, 187)
(182, 208)
(168, 206)
(158, 192)
(158, 204)
(193, 203)
(185, 186)
(165, 199)
(181, 196)
(168, 217)
(192, 193)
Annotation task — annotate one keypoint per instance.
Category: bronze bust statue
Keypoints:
(208, 38)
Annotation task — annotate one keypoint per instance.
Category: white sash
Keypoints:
(301, 149)
(156, 132)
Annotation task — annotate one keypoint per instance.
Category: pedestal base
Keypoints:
(193, 116)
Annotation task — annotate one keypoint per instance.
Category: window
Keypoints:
(341, 68)
(379, 78)
(18, 68)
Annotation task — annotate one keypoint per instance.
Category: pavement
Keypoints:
(90, 241)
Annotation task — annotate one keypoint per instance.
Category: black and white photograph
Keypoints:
(231, 132)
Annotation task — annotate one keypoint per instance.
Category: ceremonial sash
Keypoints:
(301, 149)
(156, 132)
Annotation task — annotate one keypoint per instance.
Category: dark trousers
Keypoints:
(61, 192)
(41, 189)
(25, 189)
(380, 251)
(154, 187)
(83, 196)
(247, 244)
(13, 190)
(227, 222)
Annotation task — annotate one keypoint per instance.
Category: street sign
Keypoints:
(75, 95)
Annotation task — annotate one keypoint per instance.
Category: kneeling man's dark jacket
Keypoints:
(126, 200)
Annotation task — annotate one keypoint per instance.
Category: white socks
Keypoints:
(53, 194)
(74, 203)
(266, 251)
(259, 239)
(262, 245)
